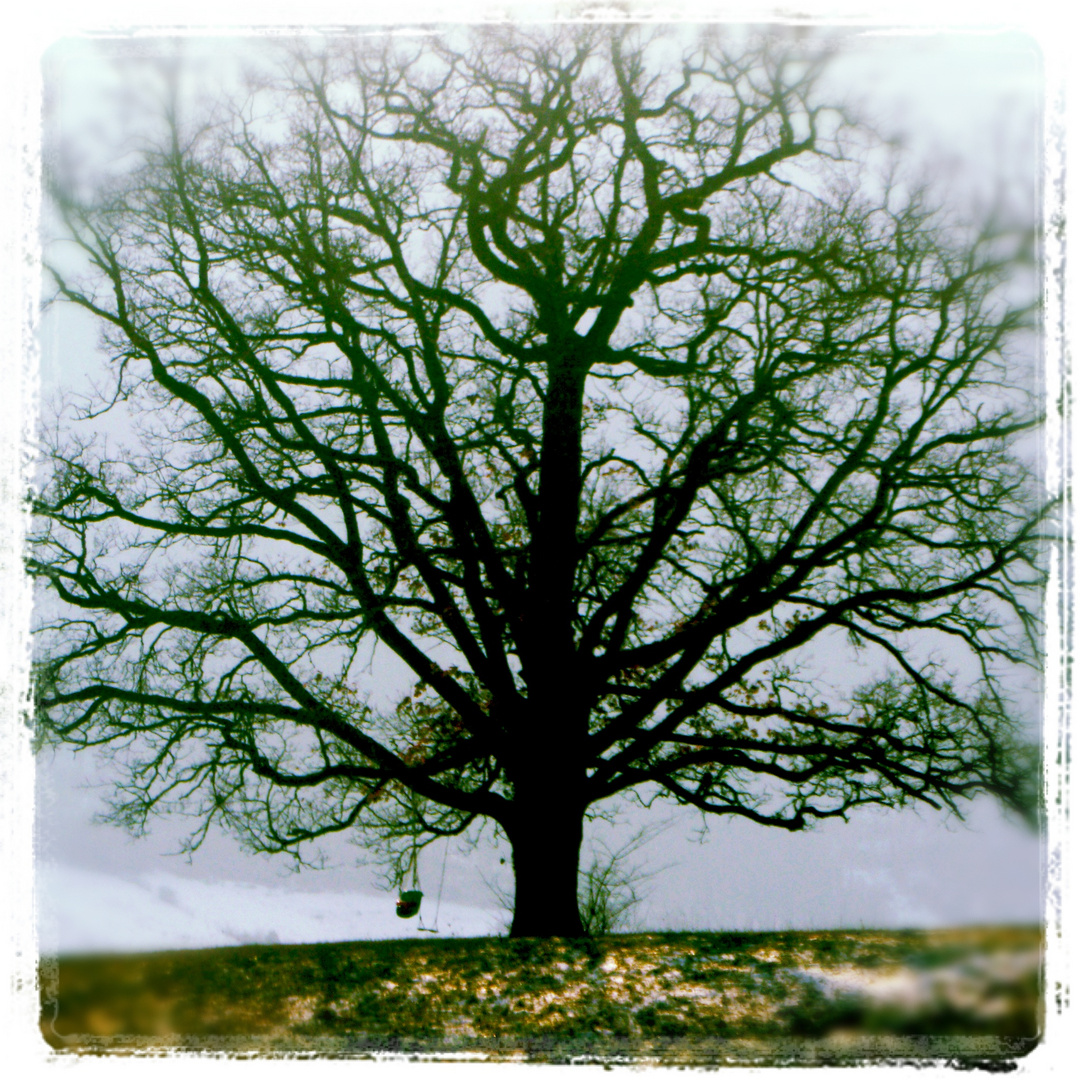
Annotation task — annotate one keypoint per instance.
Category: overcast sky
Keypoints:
(968, 106)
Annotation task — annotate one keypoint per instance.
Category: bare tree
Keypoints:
(612, 883)
(670, 444)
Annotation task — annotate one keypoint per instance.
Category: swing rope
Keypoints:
(434, 928)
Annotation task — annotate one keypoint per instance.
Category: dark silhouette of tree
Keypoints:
(620, 394)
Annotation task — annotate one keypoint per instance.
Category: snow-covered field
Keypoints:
(83, 911)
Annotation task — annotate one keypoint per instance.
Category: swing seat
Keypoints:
(409, 903)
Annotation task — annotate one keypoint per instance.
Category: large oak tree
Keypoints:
(610, 383)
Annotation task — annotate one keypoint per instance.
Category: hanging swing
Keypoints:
(408, 903)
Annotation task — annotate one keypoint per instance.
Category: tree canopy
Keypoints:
(612, 386)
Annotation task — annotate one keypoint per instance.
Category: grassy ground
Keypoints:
(693, 998)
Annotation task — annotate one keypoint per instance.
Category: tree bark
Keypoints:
(546, 849)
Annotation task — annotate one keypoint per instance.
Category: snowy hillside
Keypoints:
(83, 911)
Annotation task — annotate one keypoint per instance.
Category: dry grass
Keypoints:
(694, 998)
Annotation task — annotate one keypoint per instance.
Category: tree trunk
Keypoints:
(546, 846)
